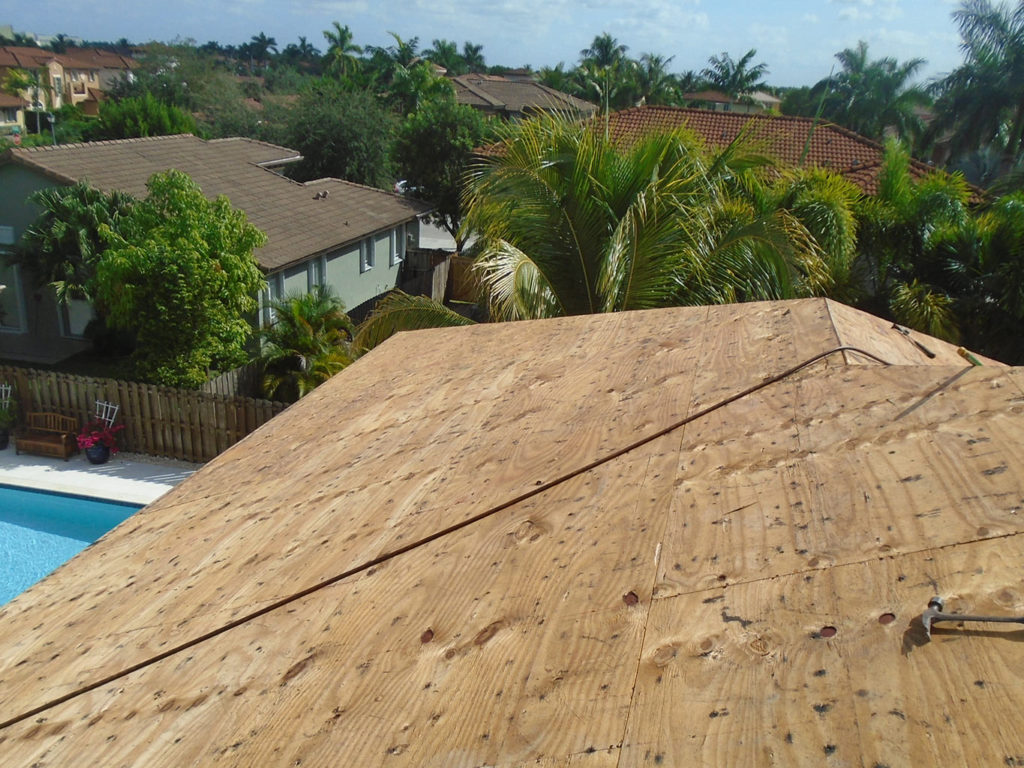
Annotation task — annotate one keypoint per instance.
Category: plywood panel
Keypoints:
(511, 641)
(746, 675)
(816, 471)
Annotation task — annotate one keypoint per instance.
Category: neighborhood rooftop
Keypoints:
(847, 153)
(515, 95)
(692, 536)
(299, 219)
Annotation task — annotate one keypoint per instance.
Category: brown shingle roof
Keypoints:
(833, 147)
(516, 96)
(297, 226)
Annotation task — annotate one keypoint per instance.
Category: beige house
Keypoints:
(78, 76)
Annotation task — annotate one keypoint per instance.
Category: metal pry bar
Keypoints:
(934, 613)
(915, 342)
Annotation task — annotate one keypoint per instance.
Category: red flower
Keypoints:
(98, 433)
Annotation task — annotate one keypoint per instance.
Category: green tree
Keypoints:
(654, 83)
(870, 97)
(899, 227)
(342, 133)
(261, 47)
(445, 53)
(180, 272)
(604, 51)
(308, 341)
(735, 78)
(140, 116)
(473, 55)
(433, 148)
(63, 245)
(981, 103)
(341, 57)
(570, 224)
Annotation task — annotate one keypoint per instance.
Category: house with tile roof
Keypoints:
(701, 536)
(351, 237)
(827, 145)
(516, 95)
(78, 76)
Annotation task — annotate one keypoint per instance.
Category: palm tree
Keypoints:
(567, 223)
(604, 51)
(900, 229)
(63, 245)
(473, 55)
(341, 51)
(655, 85)
(871, 96)
(307, 342)
(735, 78)
(260, 47)
(445, 53)
(982, 101)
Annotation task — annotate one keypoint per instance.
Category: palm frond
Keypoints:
(398, 311)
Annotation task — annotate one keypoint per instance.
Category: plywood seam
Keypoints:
(384, 557)
(831, 568)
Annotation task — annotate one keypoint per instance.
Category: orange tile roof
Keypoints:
(831, 146)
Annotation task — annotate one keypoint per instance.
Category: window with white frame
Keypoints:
(397, 245)
(366, 255)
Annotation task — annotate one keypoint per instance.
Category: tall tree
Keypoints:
(870, 97)
(604, 51)
(473, 55)
(139, 117)
(180, 272)
(356, 148)
(445, 53)
(568, 224)
(735, 78)
(654, 83)
(433, 149)
(341, 51)
(260, 48)
(982, 101)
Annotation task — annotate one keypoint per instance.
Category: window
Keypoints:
(75, 316)
(12, 312)
(397, 246)
(366, 254)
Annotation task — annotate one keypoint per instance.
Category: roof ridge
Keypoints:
(105, 142)
(261, 142)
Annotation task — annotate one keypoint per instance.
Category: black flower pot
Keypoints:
(98, 454)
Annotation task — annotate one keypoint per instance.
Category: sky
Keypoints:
(797, 39)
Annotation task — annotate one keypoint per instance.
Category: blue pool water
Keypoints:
(39, 531)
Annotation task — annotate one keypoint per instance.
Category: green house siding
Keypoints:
(33, 327)
(358, 272)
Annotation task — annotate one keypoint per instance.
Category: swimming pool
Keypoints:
(40, 530)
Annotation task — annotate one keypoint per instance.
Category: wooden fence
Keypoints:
(160, 421)
(241, 382)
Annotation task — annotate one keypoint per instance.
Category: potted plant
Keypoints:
(8, 415)
(99, 440)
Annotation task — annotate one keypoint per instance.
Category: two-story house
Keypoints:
(351, 237)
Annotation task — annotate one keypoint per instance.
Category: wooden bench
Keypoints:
(47, 434)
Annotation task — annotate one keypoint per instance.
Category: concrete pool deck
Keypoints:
(126, 477)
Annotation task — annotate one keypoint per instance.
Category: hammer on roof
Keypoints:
(934, 613)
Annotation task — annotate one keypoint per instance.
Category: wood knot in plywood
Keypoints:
(297, 669)
(487, 632)
(527, 531)
(663, 656)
